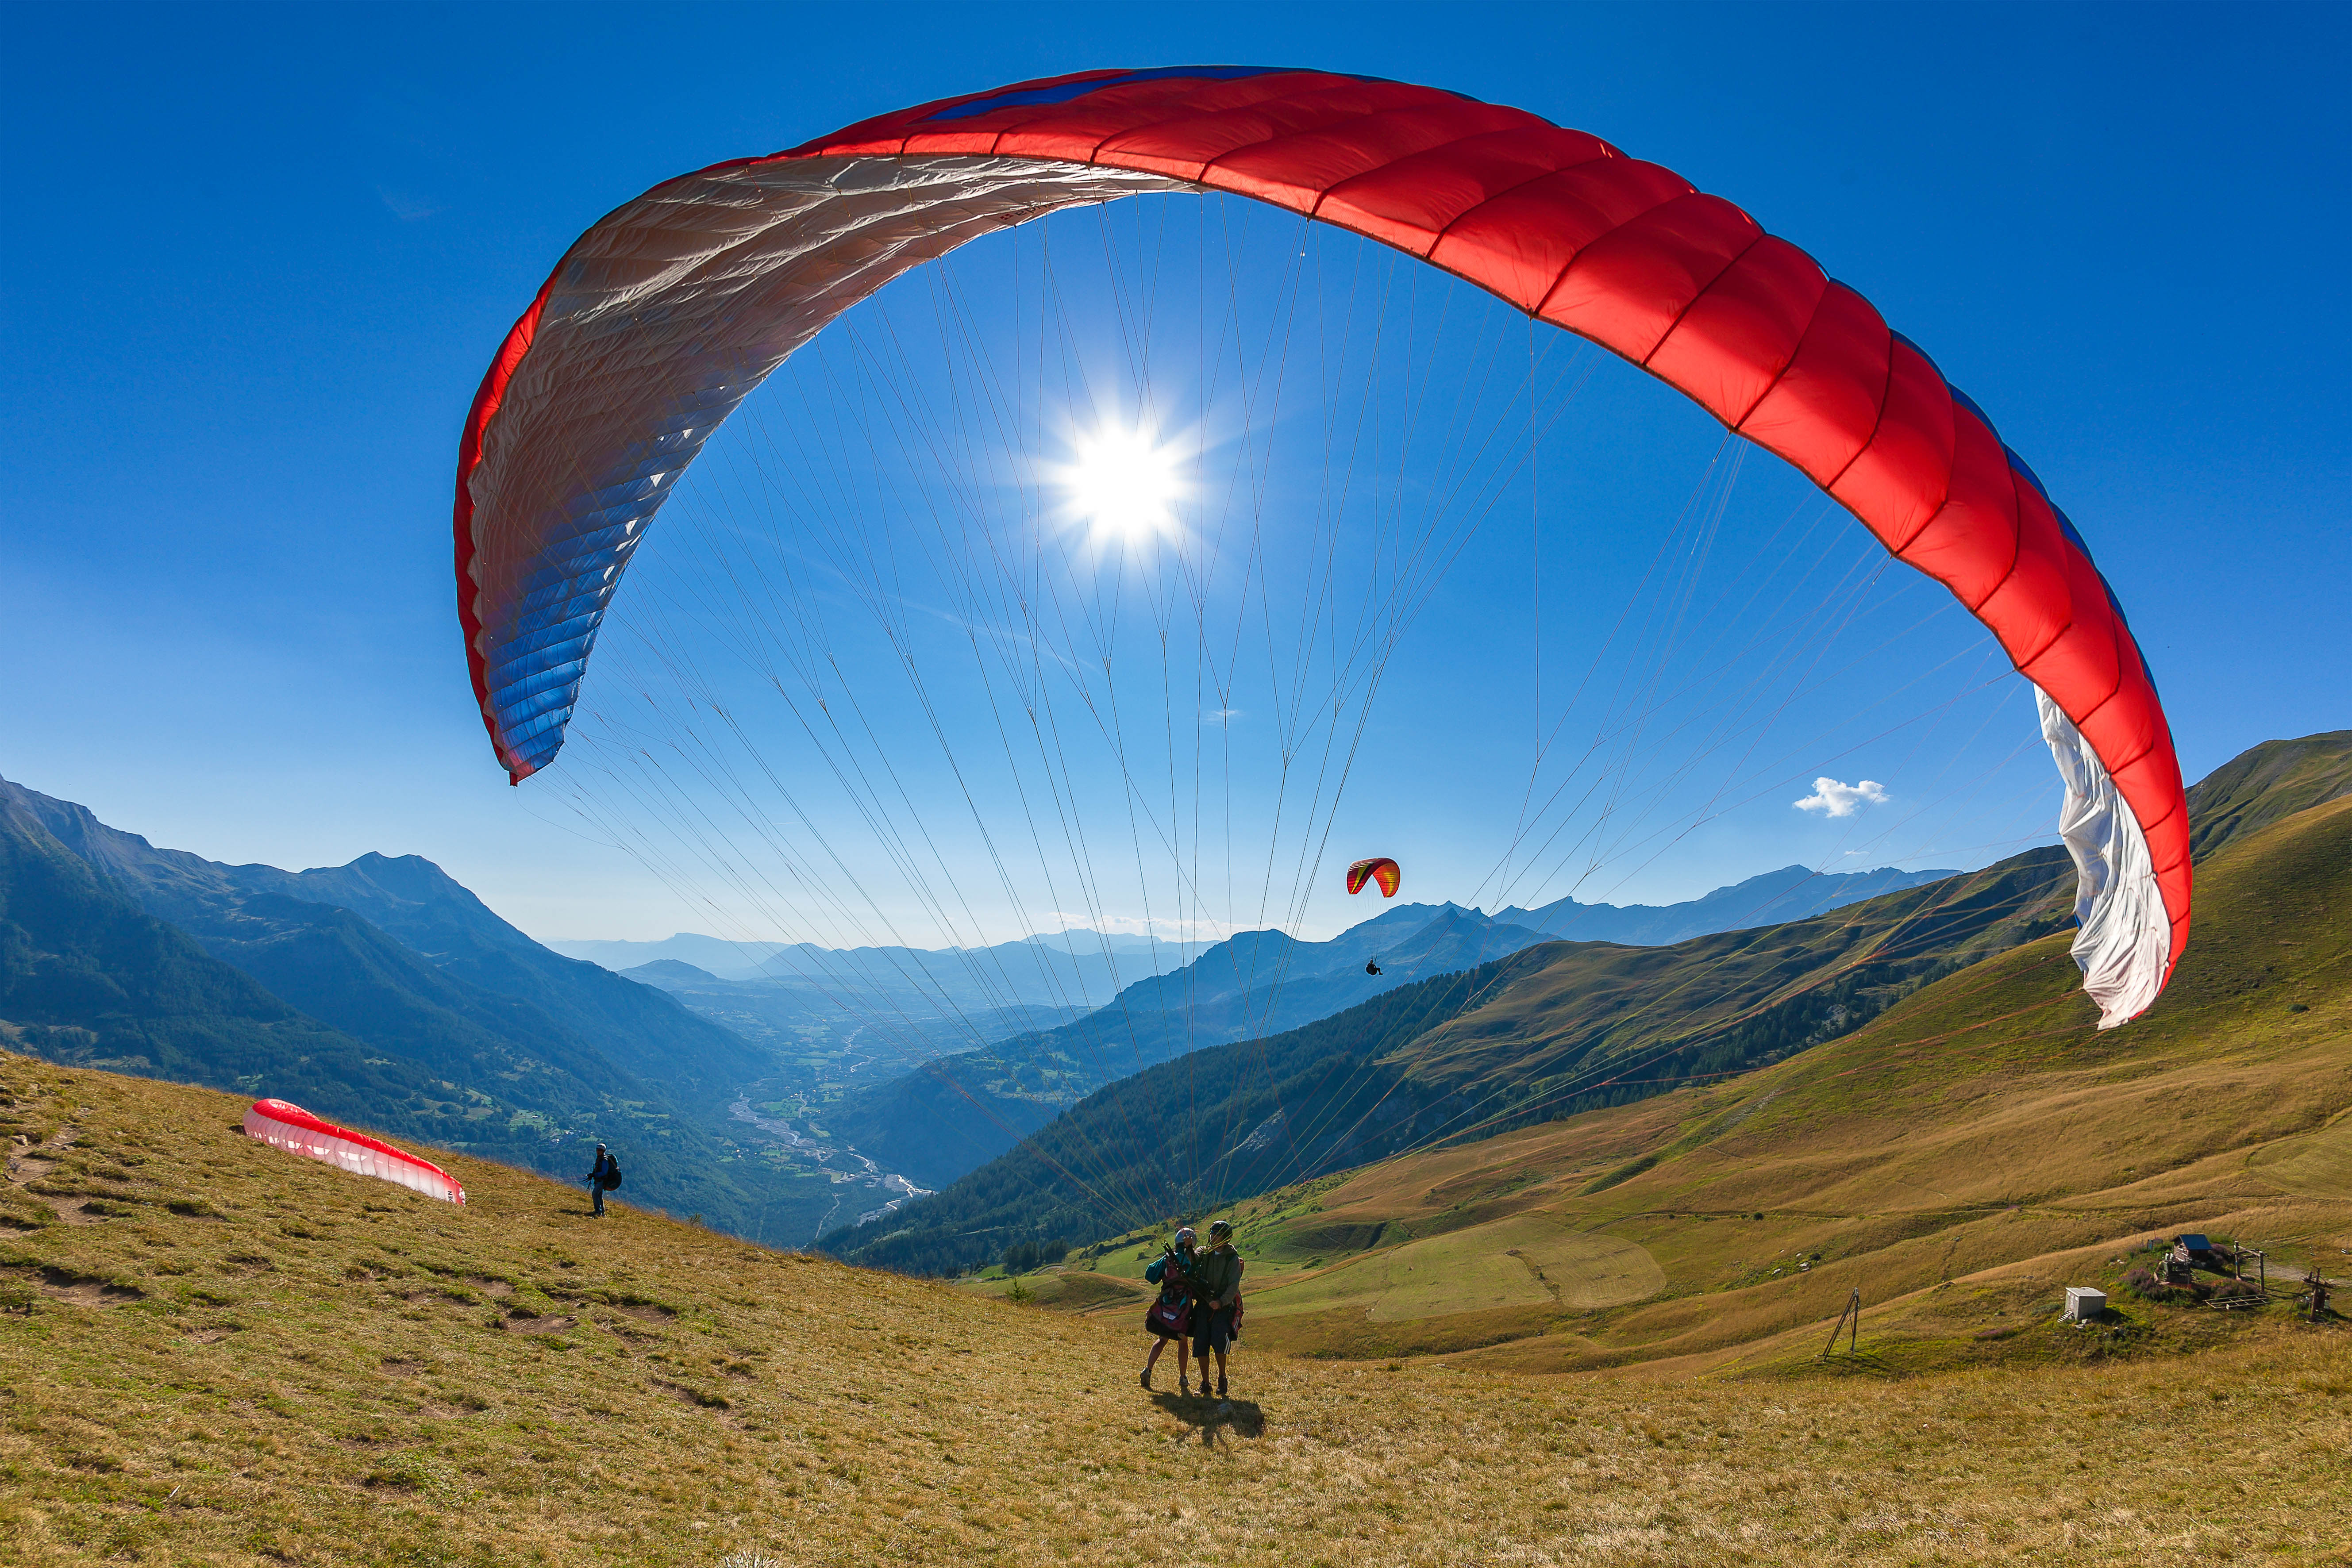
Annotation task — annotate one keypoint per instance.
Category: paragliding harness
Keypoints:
(1169, 1317)
(1234, 1319)
(611, 1179)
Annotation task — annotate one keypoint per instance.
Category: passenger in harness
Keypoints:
(1170, 1316)
(1216, 1302)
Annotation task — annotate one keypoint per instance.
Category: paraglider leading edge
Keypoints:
(672, 309)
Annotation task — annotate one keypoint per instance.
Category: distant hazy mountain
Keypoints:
(857, 1016)
(827, 1048)
(1772, 898)
(794, 962)
(950, 1116)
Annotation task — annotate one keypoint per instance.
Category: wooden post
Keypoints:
(1854, 1308)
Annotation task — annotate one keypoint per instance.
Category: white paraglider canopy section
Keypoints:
(289, 1127)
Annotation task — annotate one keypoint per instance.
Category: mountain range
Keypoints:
(381, 992)
(1544, 1034)
(385, 993)
(950, 1116)
(792, 962)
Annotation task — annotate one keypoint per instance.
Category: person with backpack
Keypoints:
(1169, 1318)
(603, 1177)
(1216, 1277)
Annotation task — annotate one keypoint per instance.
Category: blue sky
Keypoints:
(262, 256)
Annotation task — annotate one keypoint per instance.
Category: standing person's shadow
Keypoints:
(1240, 1416)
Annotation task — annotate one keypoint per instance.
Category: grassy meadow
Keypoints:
(215, 1353)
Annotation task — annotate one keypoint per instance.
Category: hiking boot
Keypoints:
(1147, 1378)
(1221, 1388)
(1184, 1387)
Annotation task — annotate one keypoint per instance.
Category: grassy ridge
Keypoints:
(223, 1354)
(1983, 1128)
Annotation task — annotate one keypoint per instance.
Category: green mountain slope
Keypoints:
(2268, 784)
(275, 995)
(87, 977)
(1548, 1033)
(489, 974)
(1552, 1030)
(1982, 1131)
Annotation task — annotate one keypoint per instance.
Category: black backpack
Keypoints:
(612, 1177)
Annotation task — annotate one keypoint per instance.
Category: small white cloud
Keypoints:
(1832, 799)
(1221, 717)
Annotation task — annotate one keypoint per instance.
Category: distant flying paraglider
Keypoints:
(1372, 966)
(1380, 869)
(295, 1130)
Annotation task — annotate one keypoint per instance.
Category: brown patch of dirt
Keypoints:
(499, 1288)
(23, 1168)
(520, 1321)
(210, 1336)
(647, 1312)
(401, 1366)
(61, 1285)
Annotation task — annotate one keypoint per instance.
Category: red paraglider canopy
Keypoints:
(289, 1127)
(667, 312)
(1380, 870)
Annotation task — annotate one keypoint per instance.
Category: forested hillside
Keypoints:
(957, 1112)
(89, 978)
(1552, 1030)
(405, 915)
(244, 978)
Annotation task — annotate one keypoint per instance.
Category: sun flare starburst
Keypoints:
(1123, 484)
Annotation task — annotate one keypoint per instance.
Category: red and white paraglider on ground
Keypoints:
(295, 1130)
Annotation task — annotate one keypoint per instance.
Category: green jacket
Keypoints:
(1216, 1274)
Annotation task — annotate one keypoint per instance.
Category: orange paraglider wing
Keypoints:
(1380, 869)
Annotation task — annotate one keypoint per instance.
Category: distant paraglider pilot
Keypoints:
(1371, 966)
(603, 1177)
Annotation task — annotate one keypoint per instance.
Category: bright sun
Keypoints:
(1122, 484)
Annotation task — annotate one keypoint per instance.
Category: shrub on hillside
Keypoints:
(2149, 1288)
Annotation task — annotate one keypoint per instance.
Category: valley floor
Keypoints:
(219, 1354)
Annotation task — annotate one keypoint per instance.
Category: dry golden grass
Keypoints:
(1982, 1133)
(233, 1356)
